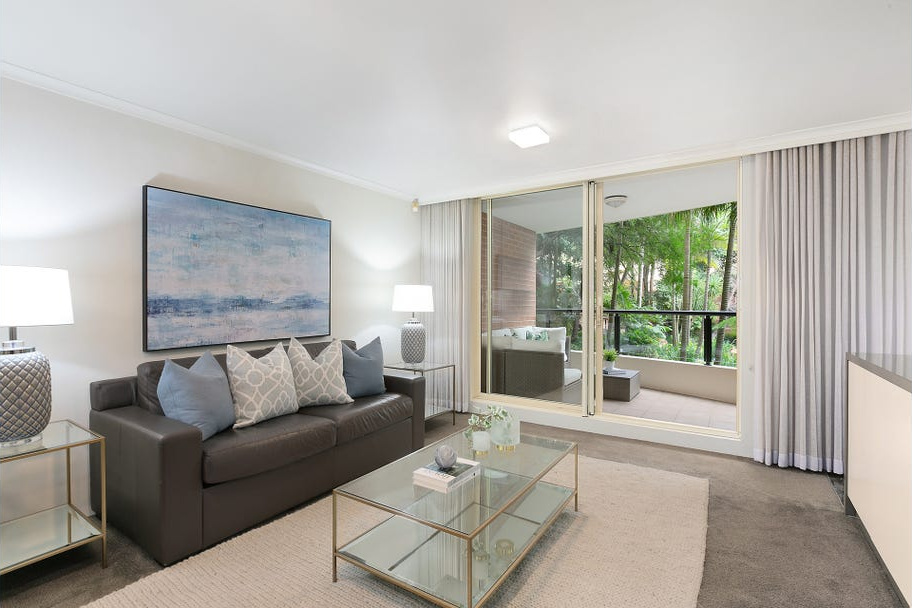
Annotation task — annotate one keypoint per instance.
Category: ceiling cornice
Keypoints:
(715, 152)
(67, 89)
(693, 156)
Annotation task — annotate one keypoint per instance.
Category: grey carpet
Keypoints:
(775, 538)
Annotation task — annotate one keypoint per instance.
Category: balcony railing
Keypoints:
(612, 326)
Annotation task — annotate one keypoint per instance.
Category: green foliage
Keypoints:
(640, 329)
(610, 354)
(644, 268)
(694, 352)
(484, 420)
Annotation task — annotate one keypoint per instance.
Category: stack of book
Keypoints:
(433, 477)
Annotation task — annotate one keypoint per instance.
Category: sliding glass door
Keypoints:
(615, 299)
(536, 296)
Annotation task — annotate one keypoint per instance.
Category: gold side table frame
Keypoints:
(422, 369)
(60, 435)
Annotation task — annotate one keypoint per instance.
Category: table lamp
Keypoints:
(413, 299)
(28, 297)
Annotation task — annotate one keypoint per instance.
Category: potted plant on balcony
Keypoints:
(611, 356)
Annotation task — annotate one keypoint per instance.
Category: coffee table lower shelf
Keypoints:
(436, 564)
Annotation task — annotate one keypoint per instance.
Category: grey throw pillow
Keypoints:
(318, 381)
(262, 388)
(363, 369)
(199, 396)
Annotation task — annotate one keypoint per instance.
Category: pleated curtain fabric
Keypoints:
(833, 276)
(447, 245)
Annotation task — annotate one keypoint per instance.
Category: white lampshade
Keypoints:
(34, 296)
(413, 298)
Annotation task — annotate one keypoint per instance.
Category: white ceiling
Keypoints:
(647, 194)
(415, 97)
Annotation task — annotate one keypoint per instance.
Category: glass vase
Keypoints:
(505, 433)
(481, 441)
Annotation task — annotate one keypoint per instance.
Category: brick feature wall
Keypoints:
(513, 274)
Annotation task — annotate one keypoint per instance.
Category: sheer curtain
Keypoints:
(833, 263)
(447, 245)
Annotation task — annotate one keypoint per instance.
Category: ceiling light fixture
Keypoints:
(616, 200)
(527, 137)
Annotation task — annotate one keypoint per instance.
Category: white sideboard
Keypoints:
(879, 458)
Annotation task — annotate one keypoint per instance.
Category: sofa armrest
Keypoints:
(414, 388)
(154, 487)
(108, 394)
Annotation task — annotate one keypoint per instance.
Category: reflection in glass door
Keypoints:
(533, 296)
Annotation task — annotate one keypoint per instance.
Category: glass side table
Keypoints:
(34, 537)
(422, 369)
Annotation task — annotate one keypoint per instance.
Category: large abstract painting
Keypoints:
(217, 272)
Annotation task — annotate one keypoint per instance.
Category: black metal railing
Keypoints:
(611, 318)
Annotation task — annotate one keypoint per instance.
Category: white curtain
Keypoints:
(447, 244)
(833, 261)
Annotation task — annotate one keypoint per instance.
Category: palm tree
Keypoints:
(687, 218)
(732, 209)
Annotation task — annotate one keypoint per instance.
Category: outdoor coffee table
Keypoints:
(457, 548)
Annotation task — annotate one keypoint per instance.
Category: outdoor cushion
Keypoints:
(548, 346)
(365, 415)
(271, 444)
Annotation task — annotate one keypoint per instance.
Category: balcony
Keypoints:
(698, 389)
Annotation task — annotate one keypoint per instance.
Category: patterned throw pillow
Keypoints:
(318, 381)
(537, 335)
(262, 388)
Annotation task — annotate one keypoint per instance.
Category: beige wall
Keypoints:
(696, 379)
(71, 177)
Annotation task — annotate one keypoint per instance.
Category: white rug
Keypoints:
(638, 541)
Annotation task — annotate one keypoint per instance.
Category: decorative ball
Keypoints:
(445, 457)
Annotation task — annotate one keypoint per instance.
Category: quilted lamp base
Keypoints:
(25, 395)
(412, 344)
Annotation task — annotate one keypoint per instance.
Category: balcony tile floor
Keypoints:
(671, 407)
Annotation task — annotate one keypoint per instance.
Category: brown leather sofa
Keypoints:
(174, 494)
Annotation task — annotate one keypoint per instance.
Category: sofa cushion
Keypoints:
(262, 388)
(558, 334)
(148, 373)
(501, 342)
(365, 415)
(318, 380)
(363, 369)
(199, 396)
(273, 443)
(547, 346)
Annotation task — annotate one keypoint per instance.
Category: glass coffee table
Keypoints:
(456, 548)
